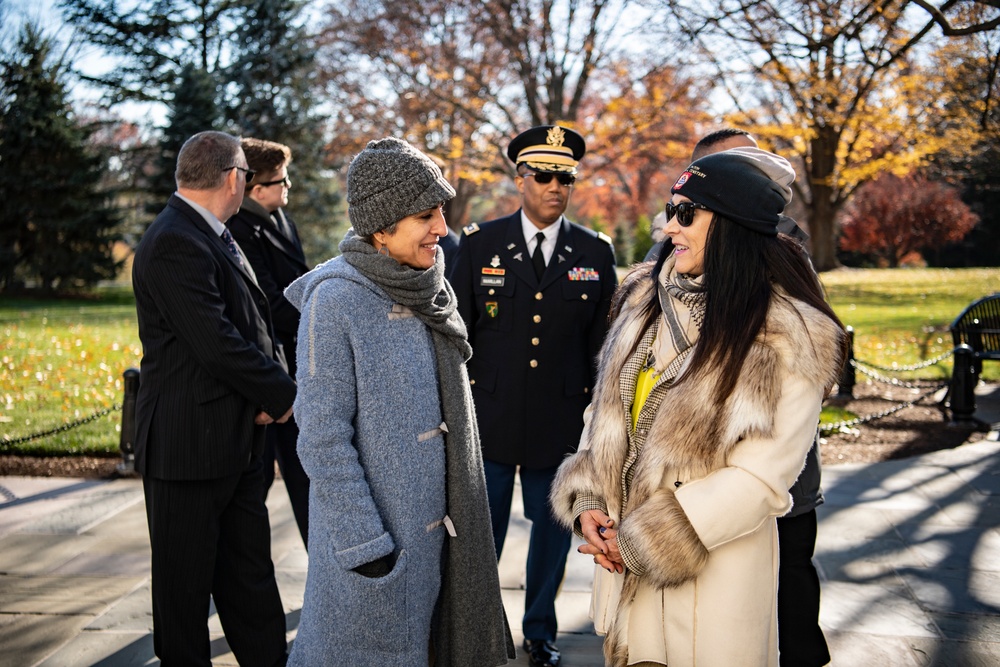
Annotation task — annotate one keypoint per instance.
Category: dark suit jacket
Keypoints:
(208, 360)
(534, 342)
(277, 260)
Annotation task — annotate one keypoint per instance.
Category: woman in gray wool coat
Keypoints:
(402, 569)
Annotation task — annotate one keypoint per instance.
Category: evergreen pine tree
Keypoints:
(58, 227)
(269, 96)
(192, 110)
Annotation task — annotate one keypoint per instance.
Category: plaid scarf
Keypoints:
(679, 294)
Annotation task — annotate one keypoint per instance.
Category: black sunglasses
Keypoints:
(287, 182)
(684, 212)
(249, 172)
(545, 177)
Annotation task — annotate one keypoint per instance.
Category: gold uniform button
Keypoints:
(586, 390)
(533, 363)
(537, 319)
(535, 341)
(538, 296)
(472, 381)
(583, 296)
(492, 292)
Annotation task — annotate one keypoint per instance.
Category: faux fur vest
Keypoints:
(690, 435)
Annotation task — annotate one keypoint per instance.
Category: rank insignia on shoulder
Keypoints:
(470, 229)
(604, 237)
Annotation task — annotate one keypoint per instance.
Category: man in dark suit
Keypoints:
(271, 242)
(534, 290)
(209, 383)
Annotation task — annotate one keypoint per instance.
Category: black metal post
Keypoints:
(845, 385)
(127, 442)
(964, 379)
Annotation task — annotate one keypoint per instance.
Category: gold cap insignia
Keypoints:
(555, 136)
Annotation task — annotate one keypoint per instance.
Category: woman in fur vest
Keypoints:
(708, 395)
(402, 569)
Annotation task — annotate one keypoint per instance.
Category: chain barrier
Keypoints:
(827, 429)
(871, 370)
(7, 443)
(901, 369)
(918, 384)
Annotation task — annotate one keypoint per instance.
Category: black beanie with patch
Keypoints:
(747, 185)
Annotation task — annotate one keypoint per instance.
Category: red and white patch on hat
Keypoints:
(681, 181)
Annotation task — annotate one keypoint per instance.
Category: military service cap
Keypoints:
(548, 148)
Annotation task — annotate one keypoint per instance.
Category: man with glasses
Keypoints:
(534, 290)
(270, 240)
(211, 377)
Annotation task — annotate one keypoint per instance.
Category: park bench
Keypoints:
(976, 334)
(979, 327)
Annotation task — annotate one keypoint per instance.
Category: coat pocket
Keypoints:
(380, 618)
(482, 374)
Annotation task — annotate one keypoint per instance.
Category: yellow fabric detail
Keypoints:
(643, 387)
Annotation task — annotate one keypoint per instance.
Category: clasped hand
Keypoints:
(262, 418)
(602, 540)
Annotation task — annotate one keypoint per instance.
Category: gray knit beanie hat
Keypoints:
(389, 180)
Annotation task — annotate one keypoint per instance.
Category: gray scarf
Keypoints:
(471, 626)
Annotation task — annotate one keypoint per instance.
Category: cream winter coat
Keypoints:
(707, 487)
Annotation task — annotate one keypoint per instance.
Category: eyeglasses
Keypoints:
(249, 172)
(684, 212)
(545, 177)
(286, 182)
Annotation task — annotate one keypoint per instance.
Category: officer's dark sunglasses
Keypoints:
(684, 212)
(545, 177)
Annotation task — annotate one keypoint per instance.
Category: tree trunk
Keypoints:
(822, 229)
(823, 204)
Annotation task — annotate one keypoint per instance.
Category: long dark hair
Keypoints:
(741, 270)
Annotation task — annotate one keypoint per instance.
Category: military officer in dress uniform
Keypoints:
(534, 290)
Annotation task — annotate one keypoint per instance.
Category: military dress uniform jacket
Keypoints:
(535, 342)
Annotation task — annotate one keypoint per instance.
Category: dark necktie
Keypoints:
(231, 244)
(537, 258)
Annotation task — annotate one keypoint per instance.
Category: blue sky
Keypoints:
(85, 58)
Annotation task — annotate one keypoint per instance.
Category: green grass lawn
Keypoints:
(901, 316)
(63, 360)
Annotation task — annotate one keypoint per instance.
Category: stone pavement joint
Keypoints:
(908, 554)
